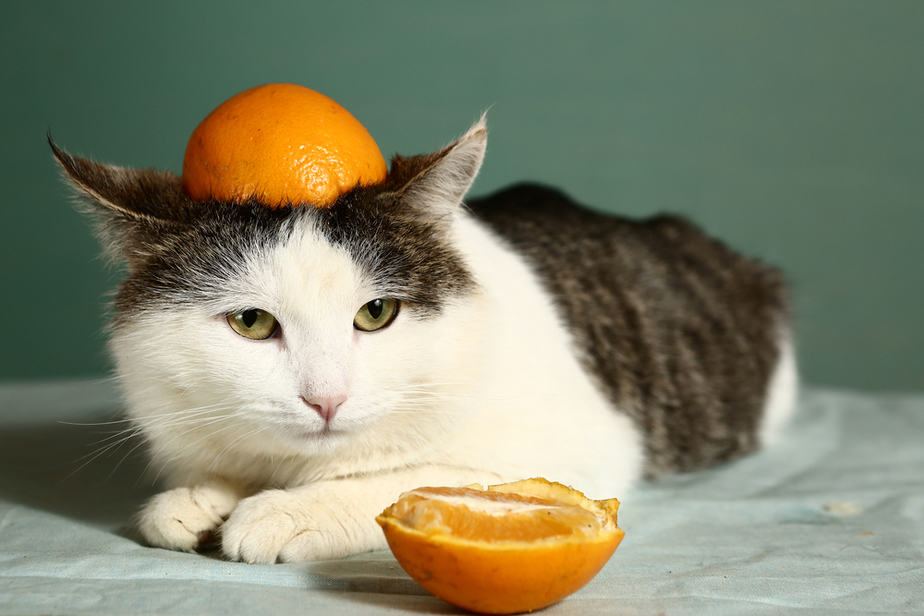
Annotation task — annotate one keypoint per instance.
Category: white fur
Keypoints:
(781, 394)
(488, 391)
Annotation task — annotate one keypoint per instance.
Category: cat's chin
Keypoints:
(307, 440)
(327, 434)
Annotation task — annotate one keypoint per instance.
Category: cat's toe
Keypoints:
(261, 526)
(294, 526)
(177, 520)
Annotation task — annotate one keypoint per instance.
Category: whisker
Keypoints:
(230, 445)
(194, 434)
(94, 455)
(196, 417)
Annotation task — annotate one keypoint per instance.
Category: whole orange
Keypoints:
(514, 547)
(280, 143)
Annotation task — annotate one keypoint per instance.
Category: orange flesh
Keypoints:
(477, 515)
(512, 548)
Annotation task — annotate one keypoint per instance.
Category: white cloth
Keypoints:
(828, 521)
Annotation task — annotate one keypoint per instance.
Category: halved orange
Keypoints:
(514, 547)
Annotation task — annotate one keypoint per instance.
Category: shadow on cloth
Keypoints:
(63, 469)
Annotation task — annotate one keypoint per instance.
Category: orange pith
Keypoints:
(511, 548)
(280, 143)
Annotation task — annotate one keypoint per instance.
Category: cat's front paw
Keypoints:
(289, 526)
(184, 518)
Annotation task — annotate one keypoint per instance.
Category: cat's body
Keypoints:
(678, 331)
(533, 338)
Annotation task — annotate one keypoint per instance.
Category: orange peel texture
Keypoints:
(280, 143)
(510, 548)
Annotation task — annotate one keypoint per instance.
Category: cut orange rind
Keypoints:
(510, 548)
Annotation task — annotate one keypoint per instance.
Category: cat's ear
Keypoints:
(143, 195)
(436, 183)
(126, 204)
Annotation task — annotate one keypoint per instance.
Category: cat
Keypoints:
(293, 370)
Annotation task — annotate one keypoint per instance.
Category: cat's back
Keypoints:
(681, 332)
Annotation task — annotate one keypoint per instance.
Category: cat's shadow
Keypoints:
(54, 467)
(64, 469)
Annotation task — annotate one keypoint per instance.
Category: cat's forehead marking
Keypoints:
(364, 239)
(403, 251)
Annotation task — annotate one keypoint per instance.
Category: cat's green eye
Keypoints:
(253, 323)
(375, 315)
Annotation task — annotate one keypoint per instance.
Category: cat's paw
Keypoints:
(184, 518)
(286, 526)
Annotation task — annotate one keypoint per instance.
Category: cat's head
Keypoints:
(296, 328)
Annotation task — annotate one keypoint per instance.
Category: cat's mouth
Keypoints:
(302, 429)
(326, 433)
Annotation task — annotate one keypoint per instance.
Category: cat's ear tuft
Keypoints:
(436, 183)
(131, 194)
(126, 205)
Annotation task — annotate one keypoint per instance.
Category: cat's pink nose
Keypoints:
(325, 406)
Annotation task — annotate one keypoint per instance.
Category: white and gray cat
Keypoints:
(293, 370)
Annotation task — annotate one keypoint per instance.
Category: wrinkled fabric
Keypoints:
(828, 520)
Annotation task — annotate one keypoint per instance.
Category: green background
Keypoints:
(793, 130)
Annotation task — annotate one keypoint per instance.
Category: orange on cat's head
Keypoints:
(280, 144)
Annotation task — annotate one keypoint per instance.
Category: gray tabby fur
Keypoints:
(681, 332)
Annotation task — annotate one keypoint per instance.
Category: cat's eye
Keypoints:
(253, 323)
(375, 315)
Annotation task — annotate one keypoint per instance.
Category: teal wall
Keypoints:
(792, 129)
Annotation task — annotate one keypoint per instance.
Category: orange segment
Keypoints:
(511, 548)
(280, 143)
